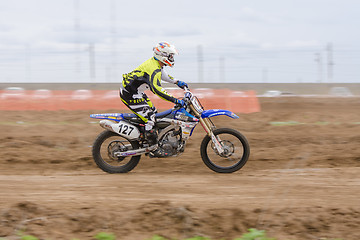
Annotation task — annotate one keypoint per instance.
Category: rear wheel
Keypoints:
(235, 155)
(105, 149)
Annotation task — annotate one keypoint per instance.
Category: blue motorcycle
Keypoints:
(118, 149)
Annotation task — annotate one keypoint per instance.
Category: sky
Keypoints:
(218, 41)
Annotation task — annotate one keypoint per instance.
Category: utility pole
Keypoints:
(77, 33)
(200, 64)
(113, 32)
(222, 69)
(318, 59)
(28, 63)
(330, 62)
(92, 62)
(264, 75)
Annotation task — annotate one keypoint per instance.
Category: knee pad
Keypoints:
(149, 125)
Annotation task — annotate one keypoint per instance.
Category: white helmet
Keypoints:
(164, 52)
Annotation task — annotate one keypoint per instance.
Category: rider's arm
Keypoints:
(155, 86)
(166, 77)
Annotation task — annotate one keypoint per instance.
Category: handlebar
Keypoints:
(186, 90)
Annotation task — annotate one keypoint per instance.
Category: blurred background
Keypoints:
(292, 66)
(92, 41)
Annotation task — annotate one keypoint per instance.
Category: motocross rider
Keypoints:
(148, 76)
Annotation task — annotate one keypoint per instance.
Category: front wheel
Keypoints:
(235, 155)
(105, 149)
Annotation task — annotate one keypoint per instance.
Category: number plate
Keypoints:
(196, 105)
(126, 129)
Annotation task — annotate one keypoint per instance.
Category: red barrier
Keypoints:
(236, 101)
(245, 102)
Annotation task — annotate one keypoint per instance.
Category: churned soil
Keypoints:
(302, 180)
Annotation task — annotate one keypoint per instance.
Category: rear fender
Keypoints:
(217, 112)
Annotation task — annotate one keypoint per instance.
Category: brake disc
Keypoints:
(228, 148)
(115, 147)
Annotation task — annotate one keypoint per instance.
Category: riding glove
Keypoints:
(181, 84)
(180, 102)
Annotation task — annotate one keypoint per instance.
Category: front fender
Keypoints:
(218, 112)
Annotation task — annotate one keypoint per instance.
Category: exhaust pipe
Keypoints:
(136, 152)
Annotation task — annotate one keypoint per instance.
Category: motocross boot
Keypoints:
(151, 137)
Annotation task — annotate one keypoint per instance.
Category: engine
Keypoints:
(170, 144)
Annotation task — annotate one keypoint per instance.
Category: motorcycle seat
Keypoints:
(134, 117)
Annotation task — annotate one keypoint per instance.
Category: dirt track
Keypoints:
(301, 182)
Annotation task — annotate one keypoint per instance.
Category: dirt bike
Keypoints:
(118, 149)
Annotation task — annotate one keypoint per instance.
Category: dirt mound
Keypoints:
(173, 221)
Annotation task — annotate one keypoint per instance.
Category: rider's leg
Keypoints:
(150, 103)
(145, 112)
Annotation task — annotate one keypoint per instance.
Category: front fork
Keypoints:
(209, 127)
